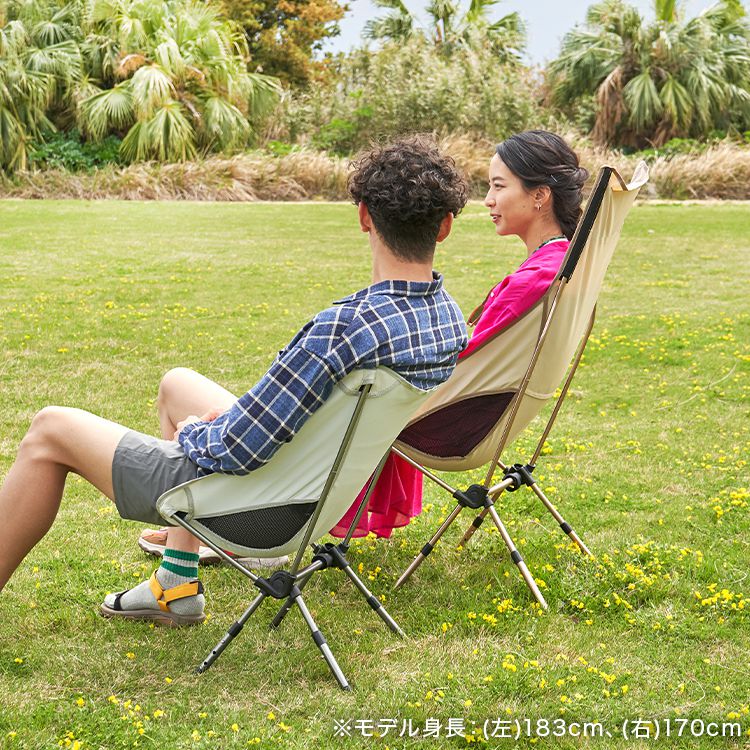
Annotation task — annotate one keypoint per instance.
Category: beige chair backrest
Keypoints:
(297, 473)
(499, 366)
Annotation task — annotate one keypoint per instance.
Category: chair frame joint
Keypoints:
(331, 555)
(474, 496)
(521, 476)
(281, 585)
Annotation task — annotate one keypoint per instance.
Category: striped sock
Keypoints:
(176, 568)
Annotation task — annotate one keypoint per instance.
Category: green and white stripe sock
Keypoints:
(177, 567)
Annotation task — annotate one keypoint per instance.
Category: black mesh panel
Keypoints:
(458, 428)
(263, 528)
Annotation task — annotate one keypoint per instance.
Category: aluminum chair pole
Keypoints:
(340, 455)
(564, 525)
(565, 388)
(322, 644)
(434, 477)
(301, 580)
(417, 561)
(230, 635)
(515, 556)
(209, 543)
(516, 403)
(493, 492)
(374, 602)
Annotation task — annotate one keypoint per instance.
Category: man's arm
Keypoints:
(247, 435)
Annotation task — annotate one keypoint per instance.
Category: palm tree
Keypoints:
(652, 82)
(40, 67)
(172, 76)
(448, 27)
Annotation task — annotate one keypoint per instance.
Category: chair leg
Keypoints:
(515, 555)
(321, 643)
(564, 525)
(417, 561)
(289, 603)
(229, 636)
(373, 601)
(475, 524)
(494, 493)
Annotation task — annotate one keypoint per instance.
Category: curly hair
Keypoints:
(409, 187)
(538, 157)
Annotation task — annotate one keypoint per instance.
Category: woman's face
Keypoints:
(511, 206)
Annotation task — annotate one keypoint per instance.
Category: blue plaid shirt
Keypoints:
(413, 327)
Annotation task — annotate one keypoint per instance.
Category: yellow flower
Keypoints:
(80, 702)
(235, 728)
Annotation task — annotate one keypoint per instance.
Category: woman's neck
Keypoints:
(539, 234)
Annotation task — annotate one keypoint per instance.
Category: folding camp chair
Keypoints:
(496, 390)
(295, 498)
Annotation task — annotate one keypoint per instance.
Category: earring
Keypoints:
(538, 206)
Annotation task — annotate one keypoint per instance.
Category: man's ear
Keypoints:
(365, 220)
(445, 227)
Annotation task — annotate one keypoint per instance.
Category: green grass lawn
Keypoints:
(648, 462)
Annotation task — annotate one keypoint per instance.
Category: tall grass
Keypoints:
(720, 172)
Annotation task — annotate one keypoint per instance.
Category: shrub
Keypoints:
(66, 151)
(409, 88)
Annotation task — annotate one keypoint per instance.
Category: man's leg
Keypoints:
(183, 392)
(59, 440)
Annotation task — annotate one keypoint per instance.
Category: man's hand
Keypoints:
(209, 416)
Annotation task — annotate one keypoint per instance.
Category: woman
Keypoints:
(535, 193)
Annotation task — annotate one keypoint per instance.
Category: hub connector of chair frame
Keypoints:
(521, 476)
(474, 497)
(331, 555)
(281, 585)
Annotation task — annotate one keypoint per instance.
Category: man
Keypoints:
(407, 195)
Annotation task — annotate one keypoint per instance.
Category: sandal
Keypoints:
(163, 615)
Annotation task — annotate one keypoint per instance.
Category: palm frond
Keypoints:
(107, 110)
(677, 103)
(150, 87)
(13, 142)
(61, 60)
(264, 93)
(222, 125)
(643, 102)
(666, 10)
(477, 11)
(170, 135)
(136, 145)
(169, 56)
(396, 5)
(393, 26)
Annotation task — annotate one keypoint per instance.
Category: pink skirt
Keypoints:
(396, 499)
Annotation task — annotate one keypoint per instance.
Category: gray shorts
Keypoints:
(144, 468)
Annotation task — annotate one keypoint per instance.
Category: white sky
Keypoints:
(546, 20)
